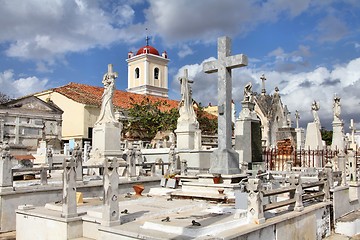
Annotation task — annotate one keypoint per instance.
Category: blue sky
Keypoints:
(310, 50)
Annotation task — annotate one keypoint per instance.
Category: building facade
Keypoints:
(26, 121)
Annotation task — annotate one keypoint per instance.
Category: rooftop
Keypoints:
(91, 95)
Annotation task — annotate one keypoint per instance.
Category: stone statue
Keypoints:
(107, 108)
(248, 92)
(315, 106)
(186, 109)
(337, 109)
(287, 118)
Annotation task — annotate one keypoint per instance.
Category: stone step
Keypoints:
(200, 195)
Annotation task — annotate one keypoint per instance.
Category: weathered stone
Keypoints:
(255, 201)
(107, 130)
(338, 137)
(69, 208)
(187, 131)
(224, 160)
(248, 134)
(110, 215)
(6, 178)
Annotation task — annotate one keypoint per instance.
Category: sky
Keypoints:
(309, 49)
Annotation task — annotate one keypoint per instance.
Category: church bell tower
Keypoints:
(148, 71)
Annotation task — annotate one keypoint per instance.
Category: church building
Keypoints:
(147, 78)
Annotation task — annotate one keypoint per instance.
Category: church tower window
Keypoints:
(137, 73)
(156, 73)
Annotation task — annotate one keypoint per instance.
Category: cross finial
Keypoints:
(147, 38)
(263, 90)
(297, 116)
(353, 130)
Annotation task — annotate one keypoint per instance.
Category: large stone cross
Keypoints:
(224, 161)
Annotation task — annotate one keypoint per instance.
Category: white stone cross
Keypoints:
(353, 130)
(297, 116)
(223, 66)
(110, 72)
(263, 79)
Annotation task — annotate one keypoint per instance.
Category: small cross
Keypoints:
(297, 116)
(110, 73)
(263, 79)
(353, 130)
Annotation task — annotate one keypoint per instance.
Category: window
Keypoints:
(137, 72)
(156, 73)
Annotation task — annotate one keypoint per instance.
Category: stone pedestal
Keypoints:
(313, 139)
(105, 143)
(188, 136)
(69, 209)
(248, 135)
(219, 166)
(338, 138)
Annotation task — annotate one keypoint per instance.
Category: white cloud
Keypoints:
(205, 20)
(41, 30)
(184, 51)
(17, 87)
(287, 61)
(298, 90)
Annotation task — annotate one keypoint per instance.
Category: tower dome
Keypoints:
(148, 49)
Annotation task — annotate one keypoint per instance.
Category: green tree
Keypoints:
(207, 123)
(326, 136)
(146, 119)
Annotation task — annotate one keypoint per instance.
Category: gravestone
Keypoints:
(130, 160)
(69, 208)
(110, 214)
(300, 133)
(5, 167)
(107, 130)
(353, 144)
(87, 148)
(338, 138)
(248, 131)
(187, 131)
(313, 140)
(77, 154)
(224, 160)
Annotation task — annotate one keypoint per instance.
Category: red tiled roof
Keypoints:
(148, 49)
(24, 157)
(91, 95)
